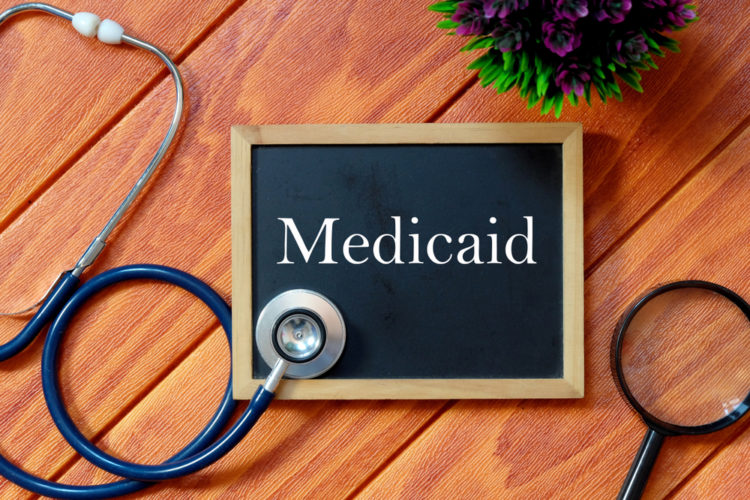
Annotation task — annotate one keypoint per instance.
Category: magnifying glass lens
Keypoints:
(684, 356)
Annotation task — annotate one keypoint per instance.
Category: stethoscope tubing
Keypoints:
(60, 293)
(204, 450)
(61, 417)
(65, 298)
(207, 435)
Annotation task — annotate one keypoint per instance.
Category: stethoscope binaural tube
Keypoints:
(110, 33)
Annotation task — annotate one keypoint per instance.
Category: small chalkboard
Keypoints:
(454, 253)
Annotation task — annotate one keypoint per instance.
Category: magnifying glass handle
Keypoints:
(637, 477)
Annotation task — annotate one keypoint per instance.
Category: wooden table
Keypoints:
(667, 179)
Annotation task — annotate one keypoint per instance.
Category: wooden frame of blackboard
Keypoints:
(569, 135)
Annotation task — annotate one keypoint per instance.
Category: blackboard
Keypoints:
(482, 297)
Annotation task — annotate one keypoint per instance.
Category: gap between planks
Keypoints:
(440, 110)
(204, 335)
(742, 428)
(671, 193)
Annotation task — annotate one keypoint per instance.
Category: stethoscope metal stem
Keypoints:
(97, 245)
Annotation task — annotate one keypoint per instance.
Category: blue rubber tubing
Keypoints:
(63, 289)
(203, 439)
(183, 465)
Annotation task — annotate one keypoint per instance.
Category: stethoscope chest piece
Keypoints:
(304, 328)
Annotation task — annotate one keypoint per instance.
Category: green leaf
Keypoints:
(533, 98)
(478, 43)
(558, 105)
(448, 7)
(543, 80)
(658, 52)
(664, 41)
(597, 60)
(602, 93)
(542, 83)
(650, 61)
(650, 41)
(525, 80)
(507, 84)
(480, 62)
(508, 61)
(631, 78)
(603, 86)
(587, 92)
(524, 65)
(573, 98)
(547, 105)
(616, 93)
(599, 72)
(447, 24)
(489, 74)
(499, 79)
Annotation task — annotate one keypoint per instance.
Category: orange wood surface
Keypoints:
(666, 183)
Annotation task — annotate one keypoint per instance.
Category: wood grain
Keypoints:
(233, 77)
(582, 449)
(297, 449)
(726, 475)
(302, 62)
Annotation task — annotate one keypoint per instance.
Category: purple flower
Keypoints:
(670, 14)
(612, 10)
(572, 9)
(501, 8)
(471, 17)
(630, 48)
(572, 77)
(509, 35)
(560, 36)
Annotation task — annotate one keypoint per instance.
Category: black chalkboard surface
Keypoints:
(452, 252)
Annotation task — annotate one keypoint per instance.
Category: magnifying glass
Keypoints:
(680, 358)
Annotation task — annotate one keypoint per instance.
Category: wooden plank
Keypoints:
(233, 77)
(582, 449)
(202, 146)
(637, 150)
(726, 475)
(48, 117)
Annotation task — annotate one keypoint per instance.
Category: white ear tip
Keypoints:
(110, 32)
(86, 23)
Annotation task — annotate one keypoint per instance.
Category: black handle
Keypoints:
(637, 477)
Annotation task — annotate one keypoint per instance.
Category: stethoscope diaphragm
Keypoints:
(304, 328)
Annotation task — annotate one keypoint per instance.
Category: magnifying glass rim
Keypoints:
(652, 421)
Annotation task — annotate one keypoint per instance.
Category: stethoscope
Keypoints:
(300, 333)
